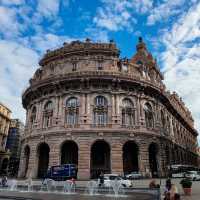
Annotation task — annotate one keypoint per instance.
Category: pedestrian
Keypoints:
(173, 191)
(4, 181)
(167, 196)
(177, 196)
(152, 184)
(101, 179)
(168, 184)
(73, 181)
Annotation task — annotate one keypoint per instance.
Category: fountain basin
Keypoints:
(78, 196)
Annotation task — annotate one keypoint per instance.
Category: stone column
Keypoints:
(144, 166)
(84, 160)
(21, 164)
(56, 106)
(161, 159)
(137, 116)
(54, 154)
(39, 114)
(61, 112)
(82, 109)
(116, 158)
(117, 105)
(33, 162)
(113, 109)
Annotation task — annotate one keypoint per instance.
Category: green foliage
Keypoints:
(186, 183)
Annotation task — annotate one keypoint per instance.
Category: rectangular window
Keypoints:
(74, 67)
(100, 65)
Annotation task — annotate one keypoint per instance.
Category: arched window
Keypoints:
(100, 111)
(48, 114)
(148, 115)
(128, 113)
(72, 111)
(33, 116)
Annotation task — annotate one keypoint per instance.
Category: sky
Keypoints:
(170, 29)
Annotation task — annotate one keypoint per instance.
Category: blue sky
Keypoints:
(170, 28)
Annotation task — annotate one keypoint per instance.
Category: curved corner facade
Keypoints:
(87, 106)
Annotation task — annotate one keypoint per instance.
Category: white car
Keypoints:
(134, 175)
(109, 178)
(193, 175)
(178, 175)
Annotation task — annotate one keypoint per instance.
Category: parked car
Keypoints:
(108, 178)
(178, 175)
(134, 175)
(193, 175)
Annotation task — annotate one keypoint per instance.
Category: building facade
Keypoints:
(16, 130)
(5, 115)
(87, 106)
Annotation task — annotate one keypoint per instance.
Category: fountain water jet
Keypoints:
(92, 187)
(29, 184)
(12, 185)
(50, 185)
(117, 187)
(69, 187)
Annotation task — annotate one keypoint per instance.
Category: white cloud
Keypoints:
(48, 9)
(8, 22)
(11, 2)
(17, 65)
(42, 42)
(182, 57)
(165, 10)
(120, 15)
(117, 15)
(97, 34)
(142, 6)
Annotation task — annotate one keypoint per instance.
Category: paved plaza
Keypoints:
(136, 194)
(145, 183)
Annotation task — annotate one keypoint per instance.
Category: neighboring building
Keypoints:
(198, 153)
(16, 130)
(5, 114)
(87, 106)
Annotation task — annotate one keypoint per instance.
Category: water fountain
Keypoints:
(29, 184)
(69, 187)
(12, 185)
(92, 188)
(50, 185)
(116, 187)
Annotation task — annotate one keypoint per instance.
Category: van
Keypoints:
(62, 172)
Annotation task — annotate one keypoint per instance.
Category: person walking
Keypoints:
(173, 191)
(101, 179)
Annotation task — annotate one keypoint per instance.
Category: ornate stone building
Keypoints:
(87, 106)
(4, 127)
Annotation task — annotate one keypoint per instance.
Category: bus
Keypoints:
(62, 172)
